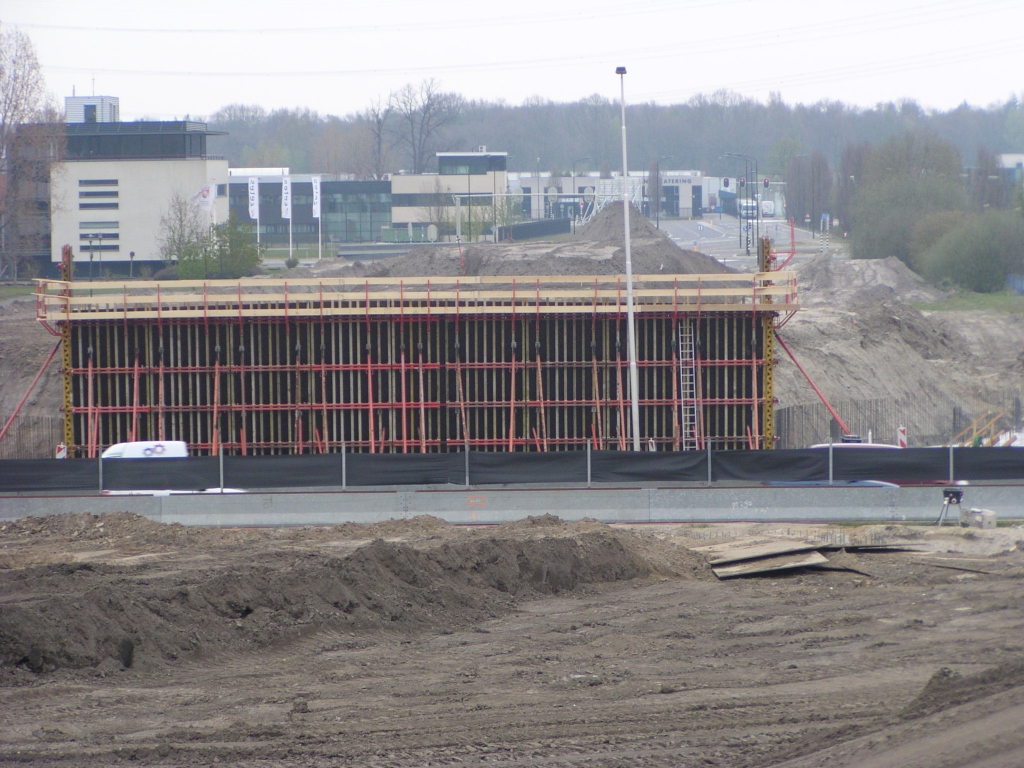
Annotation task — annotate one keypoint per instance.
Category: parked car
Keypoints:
(148, 449)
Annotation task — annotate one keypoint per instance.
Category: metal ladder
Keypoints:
(687, 388)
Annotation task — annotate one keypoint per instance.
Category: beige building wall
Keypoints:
(143, 192)
(479, 186)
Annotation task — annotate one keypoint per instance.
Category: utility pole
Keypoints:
(634, 378)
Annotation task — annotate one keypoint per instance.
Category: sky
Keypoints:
(167, 60)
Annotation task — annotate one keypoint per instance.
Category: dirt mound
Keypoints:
(152, 613)
(606, 226)
(948, 688)
(827, 280)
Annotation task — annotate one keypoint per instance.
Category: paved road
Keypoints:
(718, 235)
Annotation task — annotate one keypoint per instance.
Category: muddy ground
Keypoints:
(535, 643)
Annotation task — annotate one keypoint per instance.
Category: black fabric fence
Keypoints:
(354, 470)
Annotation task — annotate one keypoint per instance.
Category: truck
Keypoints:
(747, 208)
(767, 208)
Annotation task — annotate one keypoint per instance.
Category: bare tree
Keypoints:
(28, 147)
(184, 230)
(423, 112)
(377, 117)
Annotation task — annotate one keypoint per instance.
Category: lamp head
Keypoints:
(620, 70)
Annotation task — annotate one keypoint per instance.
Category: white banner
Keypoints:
(316, 197)
(286, 197)
(254, 198)
(205, 198)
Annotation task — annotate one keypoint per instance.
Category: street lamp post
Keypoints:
(751, 192)
(131, 264)
(634, 378)
(92, 253)
(657, 191)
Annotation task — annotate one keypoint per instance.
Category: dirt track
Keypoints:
(536, 643)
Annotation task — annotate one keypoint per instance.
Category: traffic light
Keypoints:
(743, 182)
(725, 182)
(767, 183)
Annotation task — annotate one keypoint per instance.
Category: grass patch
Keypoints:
(1003, 301)
(10, 291)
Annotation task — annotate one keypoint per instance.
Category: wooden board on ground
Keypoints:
(752, 548)
(770, 564)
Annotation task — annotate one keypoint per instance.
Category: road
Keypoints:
(718, 235)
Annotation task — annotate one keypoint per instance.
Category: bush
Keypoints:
(291, 262)
(980, 253)
(888, 212)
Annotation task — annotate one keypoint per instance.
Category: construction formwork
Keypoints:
(270, 366)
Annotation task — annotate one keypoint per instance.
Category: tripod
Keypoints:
(950, 496)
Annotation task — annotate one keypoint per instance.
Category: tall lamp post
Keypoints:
(92, 253)
(634, 378)
(657, 192)
(748, 161)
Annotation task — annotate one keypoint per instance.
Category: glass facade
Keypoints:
(352, 211)
(139, 140)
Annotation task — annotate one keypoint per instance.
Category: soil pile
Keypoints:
(150, 611)
(824, 280)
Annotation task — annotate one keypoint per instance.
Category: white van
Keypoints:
(148, 449)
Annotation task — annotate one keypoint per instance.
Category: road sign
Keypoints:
(700, 227)
(746, 227)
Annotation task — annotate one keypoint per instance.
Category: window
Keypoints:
(90, 113)
(99, 236)
(98, 225)
(97, 206)
(97, 182)
(222, 190)
(98, 248)
(99, 193)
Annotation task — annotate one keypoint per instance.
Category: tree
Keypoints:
(990, 187)
(808, 188)
(184, 231)
(31, 140)
(852, 167)
(423, 112)
(377, 118)
(980, 254)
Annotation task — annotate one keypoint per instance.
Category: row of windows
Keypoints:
(103, 193)
(128, 146)
(99, 236)
(98, 248)
(436, 200)
(97, 182)
(97, 206)
(99, 224)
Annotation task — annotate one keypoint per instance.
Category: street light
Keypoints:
(747, 159)
(634, 377)
(657, 181)
(574, 205)
(92, 253)
(131, 264)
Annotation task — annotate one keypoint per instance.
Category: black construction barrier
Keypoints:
(629, 467)
(194, 474)
(405, 468)
(49, 475)
(988, 463)
(894, 466)
(313, 471)
(766, 466)
(507, 468)
(363, 470)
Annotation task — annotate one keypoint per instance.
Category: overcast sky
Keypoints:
(168, 59)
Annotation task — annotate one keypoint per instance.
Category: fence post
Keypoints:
(709, 462)
(830, 461)
(220, 455)
(101, 472)
(588, 463)
(344, 468)
(951, 475)
(466, 452)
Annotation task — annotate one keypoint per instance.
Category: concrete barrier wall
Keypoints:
(489, 505)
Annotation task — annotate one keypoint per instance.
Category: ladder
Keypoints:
(688, 388)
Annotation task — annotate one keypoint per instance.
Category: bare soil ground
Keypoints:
(535, 643)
